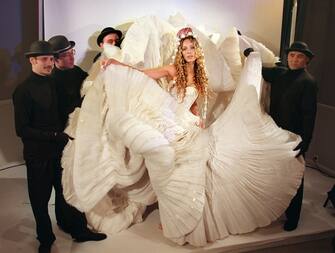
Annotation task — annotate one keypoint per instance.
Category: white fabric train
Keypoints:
(135, 144)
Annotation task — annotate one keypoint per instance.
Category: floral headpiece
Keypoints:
(185, 32)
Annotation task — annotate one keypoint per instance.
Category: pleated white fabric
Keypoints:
(135, 144)
(253, 167)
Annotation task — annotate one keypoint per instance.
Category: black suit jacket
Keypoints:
(293, 100)
(36, 117)
(68, 85)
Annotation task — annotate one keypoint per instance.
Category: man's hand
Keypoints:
(248, 51)
(302, 149)
(106, 63)
(62, 138)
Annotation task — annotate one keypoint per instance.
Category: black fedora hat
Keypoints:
(60, 43)
(302, 47)
(105, 32)
(40, 47)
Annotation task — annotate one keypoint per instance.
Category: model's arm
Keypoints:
(168, 71)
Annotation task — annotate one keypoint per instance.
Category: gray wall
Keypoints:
(81, 20)
(18, 28)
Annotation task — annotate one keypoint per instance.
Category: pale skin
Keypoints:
(297, 60)
(111, 39)
(65, 60)
(42, 65)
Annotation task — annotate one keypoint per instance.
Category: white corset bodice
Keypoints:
(191, 95)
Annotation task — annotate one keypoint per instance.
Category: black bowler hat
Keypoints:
(40, 47)
(302, 47)
(61, 44)
(105, 32)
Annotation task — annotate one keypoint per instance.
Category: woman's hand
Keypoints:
(201, 123)
(105, 63)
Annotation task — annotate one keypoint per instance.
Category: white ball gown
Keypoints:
(136, 144)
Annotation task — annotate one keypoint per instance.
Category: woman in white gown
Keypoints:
(136, 144)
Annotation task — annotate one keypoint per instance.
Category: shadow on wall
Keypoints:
(91, 52)
(11, 146)
(312, 15)
(4, 67)
(13, 69)
(23, 18)
(320, 155)
(19, 32)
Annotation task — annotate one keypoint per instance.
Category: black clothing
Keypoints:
(293, 100)
(42, 175)
(293, 104)
(68, 85)
(41, 178)
(293, 211)
(96, 57)
(37, 123)
(36, 117)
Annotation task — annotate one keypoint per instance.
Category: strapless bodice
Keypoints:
(191, 95)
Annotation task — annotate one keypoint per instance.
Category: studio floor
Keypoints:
(314, 234)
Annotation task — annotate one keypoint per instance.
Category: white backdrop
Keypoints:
(81, 20)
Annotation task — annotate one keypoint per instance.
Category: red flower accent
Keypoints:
(184, 32)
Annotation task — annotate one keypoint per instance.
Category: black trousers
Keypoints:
(42, 175)
(294, 209)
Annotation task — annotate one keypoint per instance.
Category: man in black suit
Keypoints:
(38, 124)
(68, 76)
(110, 36)
(293, 105)
(68, 79)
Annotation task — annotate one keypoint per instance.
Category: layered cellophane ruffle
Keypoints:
(128, 129)
(102, 177)
(254, 172)
(134, 143)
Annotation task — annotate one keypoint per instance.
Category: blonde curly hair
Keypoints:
(200, 76)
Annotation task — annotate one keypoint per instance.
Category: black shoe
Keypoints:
(90, 236)
(289, 226)
(44, 248)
